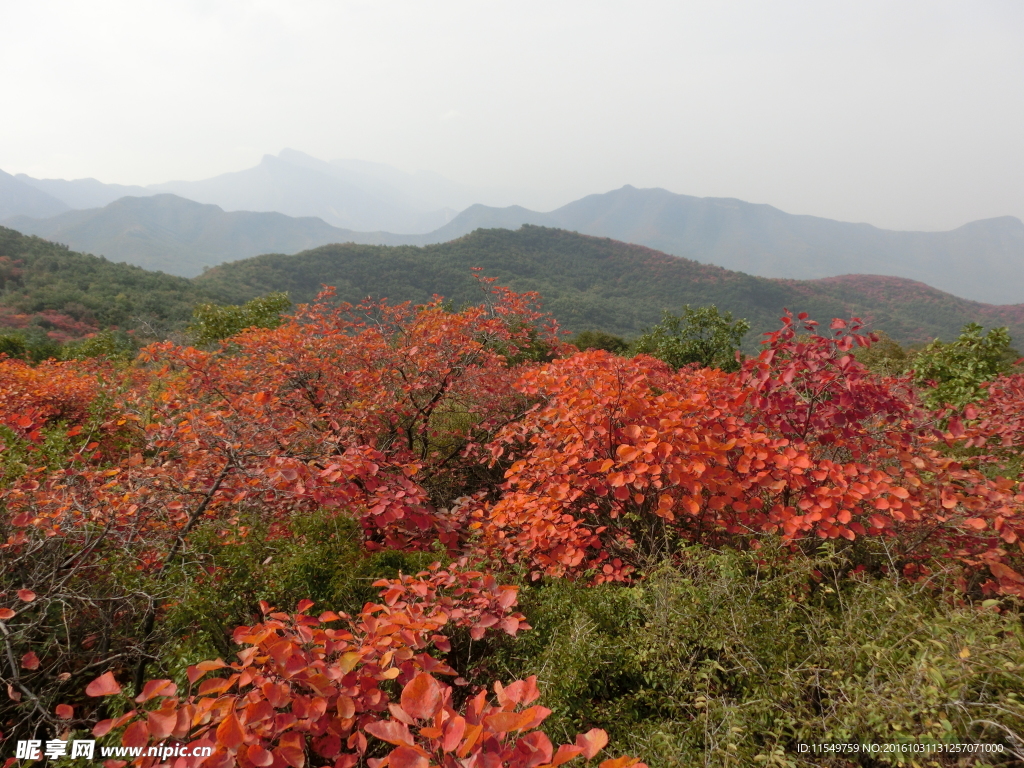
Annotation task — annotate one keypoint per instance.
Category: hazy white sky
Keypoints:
(908, 115)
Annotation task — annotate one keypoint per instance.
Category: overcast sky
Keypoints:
(907, 115)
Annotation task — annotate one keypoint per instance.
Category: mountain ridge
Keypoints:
(20, 199)
(181, 237)
(981, 260)
(591, 282)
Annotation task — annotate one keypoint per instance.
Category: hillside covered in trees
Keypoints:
(587, 283)
(596, 283)
(44, 285)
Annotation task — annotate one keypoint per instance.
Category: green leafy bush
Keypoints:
(600, 340)
(215, 322)
(702, 336)
(954, 373)
(735, 658)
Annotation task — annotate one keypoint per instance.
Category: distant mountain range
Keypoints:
(178, 236)
(344, 193)
(374, 204)
(983, 260)
(20, 199)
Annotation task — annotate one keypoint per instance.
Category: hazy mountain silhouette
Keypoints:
(20, 199)
(79, 194)
(297, 189)
(347, 193)
(168, 233)
(376, 204)
(983, 260)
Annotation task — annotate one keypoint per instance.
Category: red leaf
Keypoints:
(407, 757)
(103, 727)
(259, 756)
(421, 698)
(534, 749)
(65, 711)
(7, 613)
(453, 731)
(294, 756)
(30, 661)
(104, 685)
(27, 595)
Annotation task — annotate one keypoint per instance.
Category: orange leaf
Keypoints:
(390, 731)
(208, 666)
(161, 723)
(592, 742)
(104, 685)
(1004, 572)
(421, 698)
(472, 734)
(626, 453)
(156, 688)
(566, 753)
(135, 735)
(7, 613)
(503, 722)
(65, 712)
(533, 717)
(621, 762)
(346, 707)
(230, 733)
(26, 595)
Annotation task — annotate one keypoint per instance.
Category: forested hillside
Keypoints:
(44, 285)
(588, 283)
(596, 283)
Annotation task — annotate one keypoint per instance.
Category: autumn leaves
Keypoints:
(412, 421)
